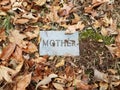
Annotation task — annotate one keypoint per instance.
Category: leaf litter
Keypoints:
(21, 67)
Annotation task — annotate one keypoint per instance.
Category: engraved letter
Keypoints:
(45, 43)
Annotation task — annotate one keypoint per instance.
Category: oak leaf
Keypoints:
(17, 37)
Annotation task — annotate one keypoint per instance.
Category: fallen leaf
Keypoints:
(58, 86)
(116, 83)
(39, 59)
(113, 71)
(76, 18)
(7, 51)
(70, 88)
(33, 18)
(46, 80)
(117, 39)
(95, 3)
(2, 35)
(6, 7)
(17, 37)
(19, 66)
(61, 63)
(31, 48)
(66, 9)
(16, 4)
(53, 15)
(73, 28)
(21, 21)
(2, 13)
(40, 2)
(22, 82)
(32, 32)
(103, 86)
(81, 85)
(100, 76)
(4, 2)
(18, 54)
(97, 24)
(114, 50)
(104, 31)
(6, 73)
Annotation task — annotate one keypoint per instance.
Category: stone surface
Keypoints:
(59, 43)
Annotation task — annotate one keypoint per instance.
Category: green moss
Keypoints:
(96, 36)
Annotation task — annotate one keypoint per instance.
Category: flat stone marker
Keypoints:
(59, 43)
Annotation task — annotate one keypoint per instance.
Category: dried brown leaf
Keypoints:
(17, 37)
(104, 31)
(113, 49)
(6, 7)
(112, 71)
(61, 63)
(46, 80)
(76, 18)
(31, 17)
(18, 54)
(81, 85)
(58, 86)
(22, 21)
(2, 35)
(7, 51)
(66, 10)
(4, 2)
(22, 82)
(6, 73)
(32, 32)
(53, 15)
(39, 59)
(103, 86)
(31, 48)
(40, 2)
(73, 28)
(2, 13)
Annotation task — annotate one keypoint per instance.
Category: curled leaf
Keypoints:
(46, 80)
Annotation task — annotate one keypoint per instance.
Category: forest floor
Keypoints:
(96, 68)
